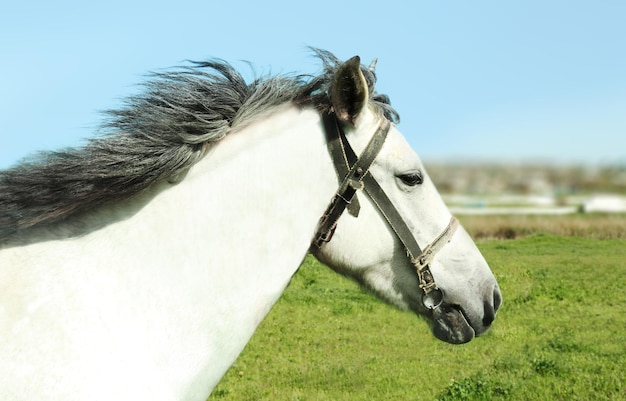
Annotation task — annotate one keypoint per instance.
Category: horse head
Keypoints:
(367, 247)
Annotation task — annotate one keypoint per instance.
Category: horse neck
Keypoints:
(262, 192)
(183, 281)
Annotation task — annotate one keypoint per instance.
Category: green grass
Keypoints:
(560, 335)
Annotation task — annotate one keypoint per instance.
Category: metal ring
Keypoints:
(433, 299)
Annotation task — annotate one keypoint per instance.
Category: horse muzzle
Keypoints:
(452, 324)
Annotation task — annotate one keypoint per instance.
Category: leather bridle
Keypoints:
(353, 173)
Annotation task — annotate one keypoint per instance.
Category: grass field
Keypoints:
(560, 334)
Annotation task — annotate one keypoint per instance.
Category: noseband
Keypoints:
(353, 173)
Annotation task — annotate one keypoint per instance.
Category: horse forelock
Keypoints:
(157, 134)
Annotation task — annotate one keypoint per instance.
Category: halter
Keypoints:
(353, 174)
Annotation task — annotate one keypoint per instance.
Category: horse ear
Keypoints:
(349, 93)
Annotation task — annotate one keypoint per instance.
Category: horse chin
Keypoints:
(449, 324)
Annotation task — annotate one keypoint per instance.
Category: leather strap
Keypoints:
(419, 259)
(341, 160)
(343, 156)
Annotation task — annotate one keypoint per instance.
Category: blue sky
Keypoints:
(532, 80)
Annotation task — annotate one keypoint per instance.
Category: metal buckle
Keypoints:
(432, 299)
(328, 235)
(432, 296)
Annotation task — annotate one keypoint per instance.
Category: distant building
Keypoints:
(605, 204)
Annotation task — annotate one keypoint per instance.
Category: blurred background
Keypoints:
(516, 107)
(527, 187)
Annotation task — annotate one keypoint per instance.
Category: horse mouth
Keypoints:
(450, 324)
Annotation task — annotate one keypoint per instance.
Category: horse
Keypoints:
(138, 264)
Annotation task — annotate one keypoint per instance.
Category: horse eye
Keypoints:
(411, 179)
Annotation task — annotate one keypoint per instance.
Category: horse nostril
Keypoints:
(491, 307)
(490, 314)
(497, 298)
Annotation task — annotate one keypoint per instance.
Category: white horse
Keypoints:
(138, 266)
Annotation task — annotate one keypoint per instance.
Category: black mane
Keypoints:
(157, 135)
